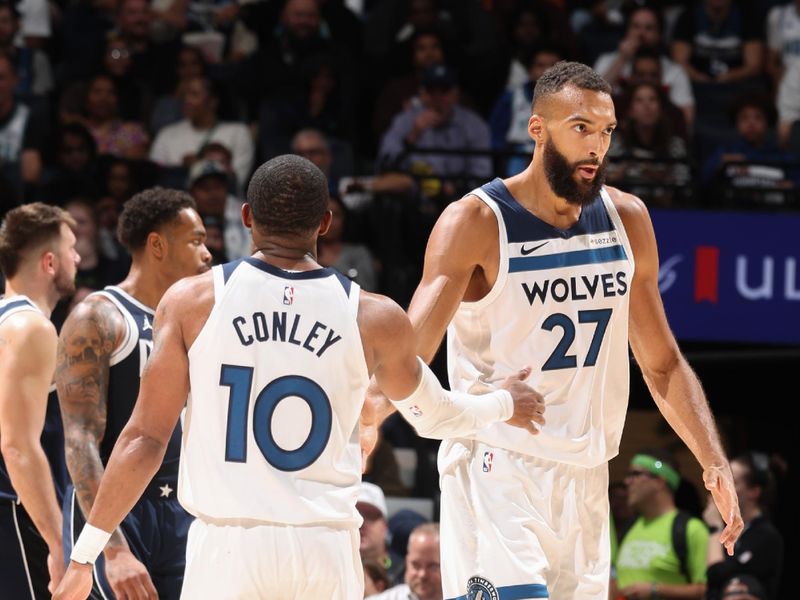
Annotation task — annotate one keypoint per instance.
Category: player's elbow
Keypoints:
(17, 450)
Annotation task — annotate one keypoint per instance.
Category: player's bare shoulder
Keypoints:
(24, 328)
(382, 324)
(187, 303)
(635, 217)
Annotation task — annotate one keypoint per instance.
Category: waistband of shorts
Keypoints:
(250, 523)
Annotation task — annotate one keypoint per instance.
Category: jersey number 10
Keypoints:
(240, 381)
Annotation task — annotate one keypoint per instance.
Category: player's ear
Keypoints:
(48, 262)
(247, 215)
(156, 244)
(326, 223)
(536, 128)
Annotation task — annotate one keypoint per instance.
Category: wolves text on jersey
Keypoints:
(577, 288)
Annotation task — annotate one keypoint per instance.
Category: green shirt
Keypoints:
(646, 553)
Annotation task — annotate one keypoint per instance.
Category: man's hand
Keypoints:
(637, 591)
(76, 584)
(374, 412)
(55, 566)
(719, 481)
(127, 576)
(528, 403)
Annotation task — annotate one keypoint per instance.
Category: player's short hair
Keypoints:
(288, 195)
(565, 73)
(147, 212)
(27, 227)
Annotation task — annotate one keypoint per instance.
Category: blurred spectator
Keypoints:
(283, 51)
(371, 504)
(354, 192)
(644, 32)
(423, 579)
(783, 39)
(759, 551)
(437, 121)
(126, 139)
(382, 468)
(512, 111)
(134, 99)
(169, 107)
(646, 68)
(530, 29)
(788, 101)
(178, 144)
(427, 48)
(719, 41)
(352, 260)
(34, 74)
(21, 136)
(152, 62)
(644, 138)
(209, 184)
(622, 514)
(753, 116)
(649, 564)
(73, 171)
(321, 103)
(375, 579)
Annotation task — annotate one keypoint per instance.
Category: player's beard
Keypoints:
(64, 284)
(561, 176)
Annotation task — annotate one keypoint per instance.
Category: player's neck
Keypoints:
(290, 255)
(532, 190)
(145, 285)
(44, 299)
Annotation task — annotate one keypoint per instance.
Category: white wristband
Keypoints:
(90, 544)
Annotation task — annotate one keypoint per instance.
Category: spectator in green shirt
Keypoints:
(648, 564)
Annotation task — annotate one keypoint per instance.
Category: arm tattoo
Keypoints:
(88, 338)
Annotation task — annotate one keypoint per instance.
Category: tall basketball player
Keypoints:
(274, 354)
(102, 351)
(39, 261)
(549, 268)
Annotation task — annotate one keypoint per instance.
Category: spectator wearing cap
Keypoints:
(209, 183)
(436, 120)
(371, 504)
(648, 564)
(423, 578)
(758, 554)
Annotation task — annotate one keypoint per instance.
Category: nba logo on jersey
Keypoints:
(487, 461)
(415, 410)
(288, 295)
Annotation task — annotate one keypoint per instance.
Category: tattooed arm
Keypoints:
(91, 333)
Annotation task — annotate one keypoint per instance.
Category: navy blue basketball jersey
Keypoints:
(52, 433)
(127, 364)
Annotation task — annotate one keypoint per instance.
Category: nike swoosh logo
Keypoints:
(525, 251)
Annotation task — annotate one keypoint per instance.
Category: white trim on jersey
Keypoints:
(22, 549)
(129, 343)
(618, 225)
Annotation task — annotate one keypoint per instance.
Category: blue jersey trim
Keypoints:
(16, 304)
(566, 259)
(131, 307)
(278, 272)
(517, 592)
(523, 226)
(344, 280)
(229, 268)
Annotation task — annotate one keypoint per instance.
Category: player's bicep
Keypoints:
(164, 385)
(27, 370)
(456, 246)
(88, 338)
(651, 339)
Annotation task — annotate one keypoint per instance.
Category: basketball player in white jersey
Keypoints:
(548, 268)
(275, 355)
(39, 261)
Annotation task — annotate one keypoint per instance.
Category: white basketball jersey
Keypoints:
(560, 305)
(278, 378)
